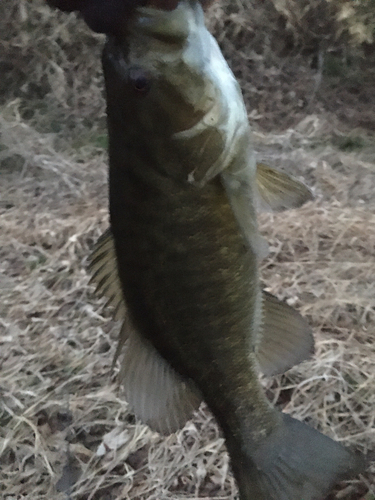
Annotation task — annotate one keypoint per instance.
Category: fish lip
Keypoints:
(171, 26)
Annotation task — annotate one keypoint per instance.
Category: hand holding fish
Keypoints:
(111, 16)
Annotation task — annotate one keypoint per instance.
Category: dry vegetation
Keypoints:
(63, 422)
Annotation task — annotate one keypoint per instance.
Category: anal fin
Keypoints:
(156, 393)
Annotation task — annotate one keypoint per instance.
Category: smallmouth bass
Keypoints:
(184, 248)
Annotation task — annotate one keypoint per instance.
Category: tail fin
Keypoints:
(295, 463)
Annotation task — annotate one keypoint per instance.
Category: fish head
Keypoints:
(157, 69)
(166, 80)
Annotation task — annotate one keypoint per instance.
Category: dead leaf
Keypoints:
(113, 441)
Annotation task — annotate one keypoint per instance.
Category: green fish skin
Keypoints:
(182, 174)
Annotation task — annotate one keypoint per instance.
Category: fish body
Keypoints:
(182, 210)
(189, 277)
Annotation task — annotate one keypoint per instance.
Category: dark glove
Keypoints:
(109, 16)
(102, 16)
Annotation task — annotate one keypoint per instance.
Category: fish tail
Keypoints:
(296, 462)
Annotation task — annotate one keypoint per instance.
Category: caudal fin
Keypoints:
(295, 463)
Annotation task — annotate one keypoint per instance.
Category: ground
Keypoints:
(65, 428)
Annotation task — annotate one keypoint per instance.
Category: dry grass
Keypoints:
(62, 419)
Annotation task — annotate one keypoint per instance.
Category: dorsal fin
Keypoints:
(157, 395)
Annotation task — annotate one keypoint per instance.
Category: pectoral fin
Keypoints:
(272, 190)
(286, 337)
(278, 191)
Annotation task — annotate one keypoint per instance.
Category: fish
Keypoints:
(184, 249)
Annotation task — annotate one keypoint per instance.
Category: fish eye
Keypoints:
(141, 84)
(139, 80)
